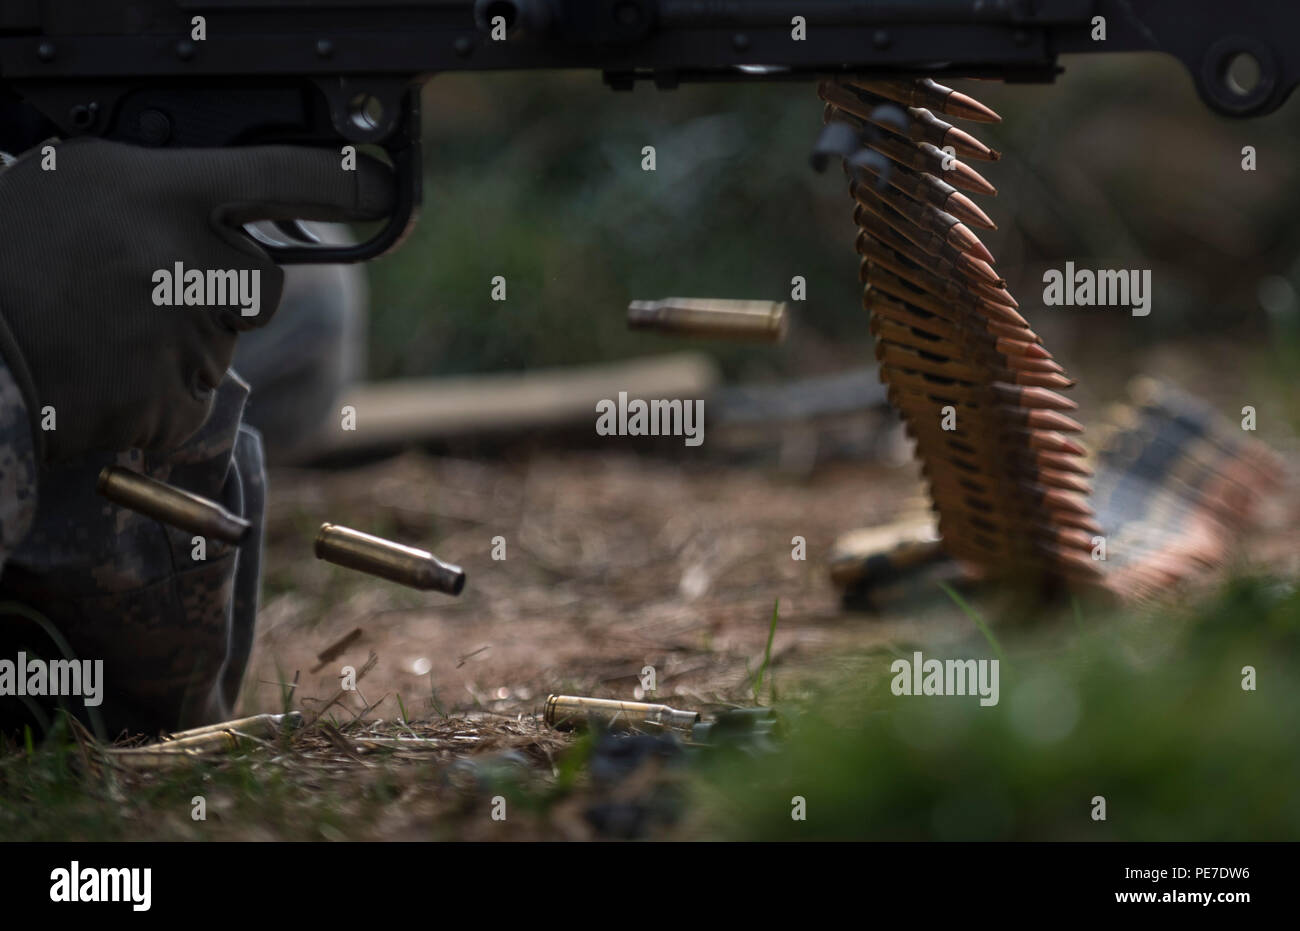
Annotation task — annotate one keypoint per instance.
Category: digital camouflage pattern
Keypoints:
(174, 630)
(17, 465)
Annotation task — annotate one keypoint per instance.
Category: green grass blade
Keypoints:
(974, 615)
(767, 651)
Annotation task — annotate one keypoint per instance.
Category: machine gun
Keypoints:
(199, 73)
(1007, 483)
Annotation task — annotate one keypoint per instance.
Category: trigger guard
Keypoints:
(404, 151)
(407, 178)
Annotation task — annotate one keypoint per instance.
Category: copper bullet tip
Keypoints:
(1043, 380)
(965, 209)
(1069, 446)
(1002, 312)
(979, 268)
(1064, 463)
(1049, 365)
(961, 237)
(963, 176)
(1055, 443)
(1003, 296)
(1060, 500)
(968, 108)
(1038, 419)
(1044, 398)
(964, 144)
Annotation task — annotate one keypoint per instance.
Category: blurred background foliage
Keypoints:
(1144, 708)
(538, 178)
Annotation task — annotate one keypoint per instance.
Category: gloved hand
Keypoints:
(84, 249)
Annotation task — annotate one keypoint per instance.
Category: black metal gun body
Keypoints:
(337, 72)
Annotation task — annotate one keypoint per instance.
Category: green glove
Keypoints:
(125, 278)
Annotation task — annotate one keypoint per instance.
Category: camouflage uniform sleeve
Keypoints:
(17, 466)
(18, 447)
(170, 614)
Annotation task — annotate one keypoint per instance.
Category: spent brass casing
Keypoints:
(759, 321)
(570, 711)
(173, 506)
(738, 725)
(259, 725)
(396, 562)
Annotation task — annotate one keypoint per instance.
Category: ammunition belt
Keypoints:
(980, 395)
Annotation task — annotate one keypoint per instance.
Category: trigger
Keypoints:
(297, 230)
(281, 233)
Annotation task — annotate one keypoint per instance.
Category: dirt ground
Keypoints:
(617, 558)
(613, 562)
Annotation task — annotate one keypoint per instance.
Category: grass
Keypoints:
(767, 653)
(975, 617)
(1144, 707)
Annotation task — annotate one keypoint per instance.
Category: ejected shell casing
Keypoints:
(757, 321)
(405, 565)
(737, 725)
(570, 711)
(259, 725)
(173, 506)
